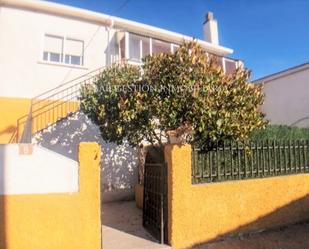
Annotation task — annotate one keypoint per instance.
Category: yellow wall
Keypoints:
(11, 109)
(44, 113)
(52, 221)
(200, 213)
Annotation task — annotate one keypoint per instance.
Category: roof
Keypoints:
(120, 23)
(283, 73)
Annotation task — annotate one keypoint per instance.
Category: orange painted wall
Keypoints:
(203, 212)
(11, 109)
(50, 221)
(44, 113)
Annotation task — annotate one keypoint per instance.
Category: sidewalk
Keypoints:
(122, 228)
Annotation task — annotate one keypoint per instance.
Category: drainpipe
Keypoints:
(108, 62)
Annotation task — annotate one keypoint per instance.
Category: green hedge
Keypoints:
(281, 132)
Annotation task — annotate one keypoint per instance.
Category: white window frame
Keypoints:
(64, 53)
(81, 56)
(173, 46)
(48, 53)
(223, 64)
(127, 47)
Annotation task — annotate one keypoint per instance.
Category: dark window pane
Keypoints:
(230, 66)
(122, 48)
(45, 56)
(146, 46)
(54, 57)
(75, 60)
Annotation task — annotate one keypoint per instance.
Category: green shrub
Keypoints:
(280, 132)
(189, 96)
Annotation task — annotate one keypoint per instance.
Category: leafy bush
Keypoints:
(280, 132)
(190, 97)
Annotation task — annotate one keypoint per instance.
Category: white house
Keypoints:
(46, 46)
(287, 96)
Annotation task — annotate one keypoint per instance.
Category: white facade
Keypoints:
(25, 25)
(45, 45)
(23, 71)
(287, 97)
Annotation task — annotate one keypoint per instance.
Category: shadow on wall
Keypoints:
(2, 210)
(10, 129)
(8, 134)
(290, 213)
(119, 162)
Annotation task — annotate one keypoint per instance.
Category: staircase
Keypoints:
(53, 105)
(55, 123)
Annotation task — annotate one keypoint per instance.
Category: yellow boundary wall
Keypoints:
(52, 221)
(204, 212)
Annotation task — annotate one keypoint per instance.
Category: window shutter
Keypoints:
(74, 47)
(53, 44)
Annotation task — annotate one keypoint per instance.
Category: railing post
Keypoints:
(17, 131)
(30, 124)
(26, 136)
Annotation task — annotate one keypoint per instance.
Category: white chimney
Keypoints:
(211, 29)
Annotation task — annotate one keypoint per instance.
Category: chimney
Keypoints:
(211, 29)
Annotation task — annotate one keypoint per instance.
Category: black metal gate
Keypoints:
(155, 199)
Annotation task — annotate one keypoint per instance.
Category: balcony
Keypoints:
(133, 47)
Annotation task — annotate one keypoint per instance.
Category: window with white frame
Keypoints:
(139, 47)
(63, 50)
(230, 65)
(74, 51)
(160, 47)
(53, 48)
(136, 47)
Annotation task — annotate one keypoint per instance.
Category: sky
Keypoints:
(268, 35)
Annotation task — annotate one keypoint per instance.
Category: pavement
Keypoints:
(123, 229)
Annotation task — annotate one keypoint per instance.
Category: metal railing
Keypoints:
(255, 159)
(52, 106)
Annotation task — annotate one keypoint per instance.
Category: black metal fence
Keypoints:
(254, 159)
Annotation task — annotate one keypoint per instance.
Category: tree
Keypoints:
(185, 94)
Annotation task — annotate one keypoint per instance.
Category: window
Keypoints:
(145, 46)
(139, 47)
(63, 50)
(160, 47)
(134, 47)
(230, 66)
(74, 51)
(53, 50)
